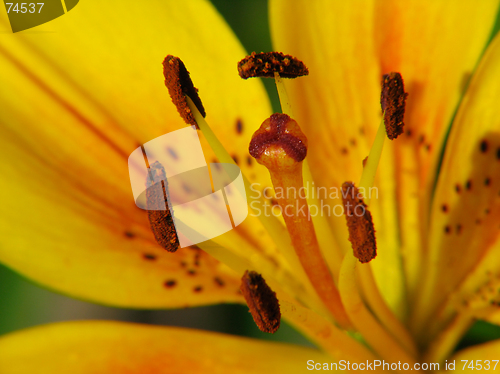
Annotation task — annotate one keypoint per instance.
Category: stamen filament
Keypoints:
(324, 233)
(286, 107)
(368, 177)
(379, 307)
(364, 322)
(325, 334)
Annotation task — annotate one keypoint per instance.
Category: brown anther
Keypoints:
(393, 100)
(261, 301)
(359, 224)
(159, 210)
(179, 86)
(278, 141)
(265, 64)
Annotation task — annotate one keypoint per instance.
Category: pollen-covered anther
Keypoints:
(159, 210)
(179, 86)
(261, 301)
(278, 143)
(265, 64)
(359, 224)
(393, 101)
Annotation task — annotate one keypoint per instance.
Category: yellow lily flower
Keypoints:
(78, 100)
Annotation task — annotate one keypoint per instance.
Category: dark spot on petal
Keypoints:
(487, 211)
(183, 264)
(219, 282)
(409, 133)
(249, 160)
(478, 221)
(149, 256)
(191, 272)
(468, 185)
(483, 146)
(362, 130)
(447, 229)
(235, 158)
(458, 188)
(344, 150)
(421, 139)
(172, 153)
(487, 181)
(353, 142)
(444, 208)
(198, 289)
(459, 229)
(498, 154)
(129, 234)
(239, 126)
(170, 283)
(427, 147)
(186, 188)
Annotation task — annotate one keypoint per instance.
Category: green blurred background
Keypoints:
(23, 304)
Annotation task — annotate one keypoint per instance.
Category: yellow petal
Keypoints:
(347, 48)
(483, 357)
(434, 48)
(111, 347)
(466, 207)
(75, 102)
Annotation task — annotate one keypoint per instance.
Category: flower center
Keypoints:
(306, 284)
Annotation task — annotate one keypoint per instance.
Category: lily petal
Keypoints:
(110, 347)
(478, 357)
(75, 102)
(465, 217)
(347, 49)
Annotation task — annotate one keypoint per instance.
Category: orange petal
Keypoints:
(111, 347)
(347, 49)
